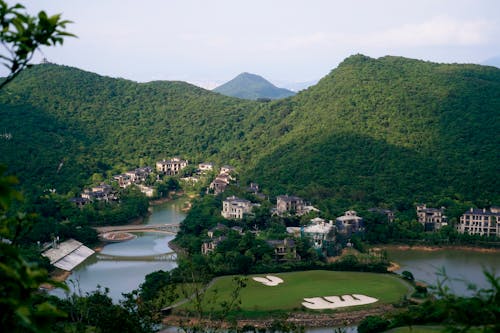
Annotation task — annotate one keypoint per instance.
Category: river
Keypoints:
(462, 266)
(122, 275)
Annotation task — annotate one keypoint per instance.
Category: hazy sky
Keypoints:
(289, 40)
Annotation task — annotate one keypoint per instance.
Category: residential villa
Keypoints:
(219, 184)
(135, 176)
(319, 231)
(388, 213)
(289, 204)
(146, 190)
(431, 218)
(234, 208)
(171, 167)
(207, 166)
(80, 202)
(100, 192)
(211, 244)
(285, 249)
(226, 169)
(480, 222)
(349, 223)
(253, 188)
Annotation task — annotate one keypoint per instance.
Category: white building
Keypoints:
(480, 222)
(148, 191)
(349, 222)
(207, 166)
(318, 231)
(171, 167)
(235, 208)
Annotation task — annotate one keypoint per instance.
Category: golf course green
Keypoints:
(296, 286)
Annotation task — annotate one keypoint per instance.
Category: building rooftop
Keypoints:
(481, 211)
(288, 198)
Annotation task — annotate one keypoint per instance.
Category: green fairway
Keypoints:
(297, 285)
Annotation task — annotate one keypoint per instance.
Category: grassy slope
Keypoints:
(289, 295)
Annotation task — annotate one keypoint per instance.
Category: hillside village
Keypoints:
(325, 236)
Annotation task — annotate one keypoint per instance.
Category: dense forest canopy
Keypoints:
(387, 132)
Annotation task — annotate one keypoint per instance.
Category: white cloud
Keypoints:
(439, 30)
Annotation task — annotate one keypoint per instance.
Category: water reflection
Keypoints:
(168, 212)
(146, 243)
(458, 264)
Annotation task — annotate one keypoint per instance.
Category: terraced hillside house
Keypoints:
(226, 169)
(206, 166)
(431, 218)
(349, 223)
(171, 167)
(480, 222)
(101, 192)
(388, 213)
(234, 208)
(320, 232)
(216, 235)
(284, 249)
(289, 204)
(136, 176)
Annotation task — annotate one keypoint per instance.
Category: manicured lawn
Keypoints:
(297, 285)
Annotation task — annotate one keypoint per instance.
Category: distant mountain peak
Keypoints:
(252, 86)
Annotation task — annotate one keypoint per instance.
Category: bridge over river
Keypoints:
(170, 228)
(169, 256)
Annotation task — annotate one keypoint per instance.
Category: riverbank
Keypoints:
(435, 248)
(298, 319)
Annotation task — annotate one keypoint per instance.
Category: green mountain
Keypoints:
(388, 131)
(251, 86)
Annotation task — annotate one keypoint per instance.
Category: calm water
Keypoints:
(123, 276)
(458, 264)
(169, 212)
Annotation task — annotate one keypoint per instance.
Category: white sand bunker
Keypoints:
(333, 302)
(269, 280)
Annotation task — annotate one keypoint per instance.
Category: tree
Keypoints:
(21, 308)
(21, 35)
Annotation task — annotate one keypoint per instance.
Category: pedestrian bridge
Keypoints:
(169, 256)
(170, 228)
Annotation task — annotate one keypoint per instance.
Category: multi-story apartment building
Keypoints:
(234, 207)
(171, 167)
(431, 218)
(480, 222)
(289, 204)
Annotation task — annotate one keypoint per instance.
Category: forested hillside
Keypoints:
(388, 131)
(67, 124)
